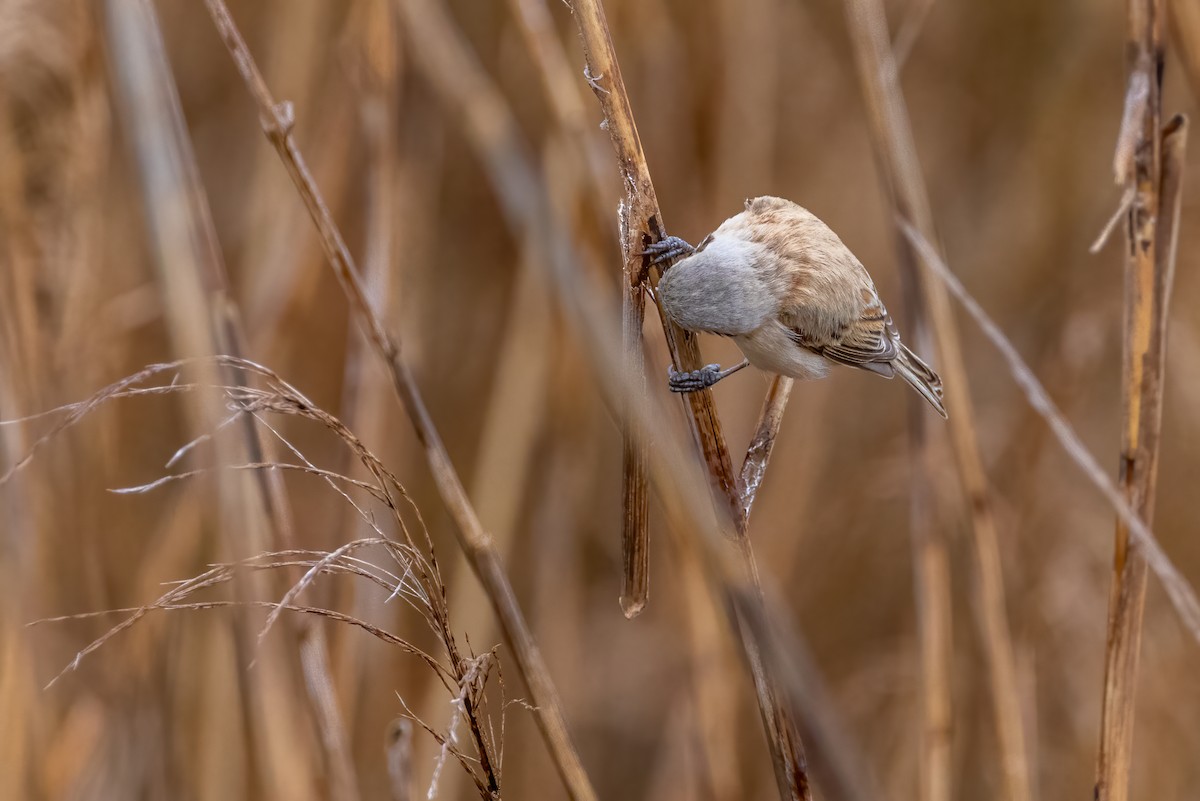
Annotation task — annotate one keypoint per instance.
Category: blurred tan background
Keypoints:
(1015, 107)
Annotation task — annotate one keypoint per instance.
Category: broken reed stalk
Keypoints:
(1149, 161)
(896, 149)
(635, 484)
(194, 275)
(641, 223)
(476, 543)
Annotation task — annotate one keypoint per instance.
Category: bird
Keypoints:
(780, 283)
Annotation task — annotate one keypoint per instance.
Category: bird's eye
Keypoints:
(703, 244)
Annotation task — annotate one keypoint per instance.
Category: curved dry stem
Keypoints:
(475, 541)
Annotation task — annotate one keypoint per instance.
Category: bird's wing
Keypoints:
(869, 342)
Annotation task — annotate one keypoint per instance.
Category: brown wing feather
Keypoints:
(869, 343)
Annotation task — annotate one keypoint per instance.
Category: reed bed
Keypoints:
(337, 459)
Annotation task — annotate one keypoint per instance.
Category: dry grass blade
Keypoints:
(475, 541)
(1149, 161)
(419, 584)
(895, 146)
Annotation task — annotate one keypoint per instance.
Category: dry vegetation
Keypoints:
(394, 482)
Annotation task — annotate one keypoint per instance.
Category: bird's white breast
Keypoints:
(770, 348)
(720, 289)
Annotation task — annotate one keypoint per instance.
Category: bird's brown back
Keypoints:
(826, 289)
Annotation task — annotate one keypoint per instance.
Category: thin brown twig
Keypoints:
(758, 455)
(1141, 163)
(476, 543)
(896, 149)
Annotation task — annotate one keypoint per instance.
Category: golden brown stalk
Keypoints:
(1150, 161)
(893, 137)
(931, 572)
(559, 83)
(476, 543)
(635, 488)
(641, 221)
(931, 586)
(640, 214)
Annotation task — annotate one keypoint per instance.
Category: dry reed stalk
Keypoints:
(179, 212)
(1179, 591)
(932, 588)
(196, 302)
(513, 421)
(474, 540)
(399, 750)
(896, 150)
(560, 83)
(931, 574)
(365, 403)
(641, 222)
(278, 271)
(561, 88)
(1149, 161)
(516, 414)
(635, 486)
(53, 124)
(447, 62)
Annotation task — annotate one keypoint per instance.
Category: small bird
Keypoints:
(779, 283)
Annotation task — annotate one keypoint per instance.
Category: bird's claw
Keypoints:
(695, 380)
(668, 248)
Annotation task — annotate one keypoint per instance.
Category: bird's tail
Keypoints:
(920, 377)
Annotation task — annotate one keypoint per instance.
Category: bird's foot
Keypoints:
(666, 249)
(695, 380)
(703, 378)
